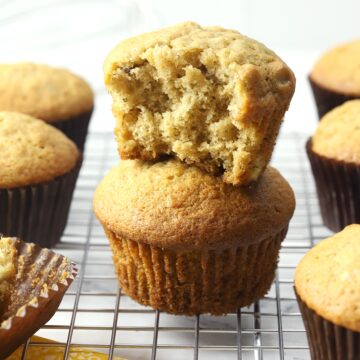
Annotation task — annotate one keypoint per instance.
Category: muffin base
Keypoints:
(338, 188)
(75, 128)
(327, 100)
(327, 340)
(38, 213)
(195, 282)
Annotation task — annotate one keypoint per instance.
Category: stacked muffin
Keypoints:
(194, 216)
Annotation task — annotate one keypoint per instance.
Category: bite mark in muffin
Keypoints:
(209, 96)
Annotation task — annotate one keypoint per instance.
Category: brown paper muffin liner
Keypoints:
(75, 128)
(41, 281)
(195, 282)
(338, 188)
(328, 341)
(327, 100)
(38, 213)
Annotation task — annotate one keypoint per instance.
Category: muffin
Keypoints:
(334, 154)
(7, 272)
(327, 284)
(40, 281)
(39, 167)
(335, 78)
(185, 242)
(54, 95)
(211, 97)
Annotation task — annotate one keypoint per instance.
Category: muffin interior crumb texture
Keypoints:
(210, 96)
(7, 271)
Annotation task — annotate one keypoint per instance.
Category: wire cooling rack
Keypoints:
(95, 314)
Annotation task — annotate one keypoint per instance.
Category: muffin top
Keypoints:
(339, 69)
(170, 204)
(32, 151)
(45, 92)
(208, 95)
(327, 278)
(338, 133)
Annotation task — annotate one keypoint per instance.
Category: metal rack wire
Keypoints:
(95, 314)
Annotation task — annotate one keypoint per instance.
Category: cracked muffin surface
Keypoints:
(32, 151)
(209, 96)
(173, 205)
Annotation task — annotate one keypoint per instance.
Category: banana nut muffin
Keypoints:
(335, 77)
(39, 166)
(54, 95)
(334, 153)
(7, 271)
(327, 283)
(210, 96)
(185, 242)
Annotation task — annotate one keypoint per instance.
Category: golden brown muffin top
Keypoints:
(173, 205)
(327, 278)
(45, 92)
(32, 151)
(339, 69)
(338, 133)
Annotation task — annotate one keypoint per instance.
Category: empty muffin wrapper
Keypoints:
(327, 100)
(326, 339)
(338, 189)
(41, 281)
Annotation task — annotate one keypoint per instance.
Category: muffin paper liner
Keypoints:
(194, 281)
(338, 188)
(38, 213)
(327, 100)
(41, 281)
(75, 128)
(328, 341)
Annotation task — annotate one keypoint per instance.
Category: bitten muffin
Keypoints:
(185, 242)
(7, 272)
(327, 283)
(54, 95)
(210, 96)
(334, 153)
(39, 166)
(335, 78)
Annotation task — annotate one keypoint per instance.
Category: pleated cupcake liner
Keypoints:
(327, 100)
(38, 213)
(338, 189)
(42, 279)
(195, 282)
(328, 341)
(75, 128)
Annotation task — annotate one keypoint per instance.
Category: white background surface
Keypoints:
(79, 34)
